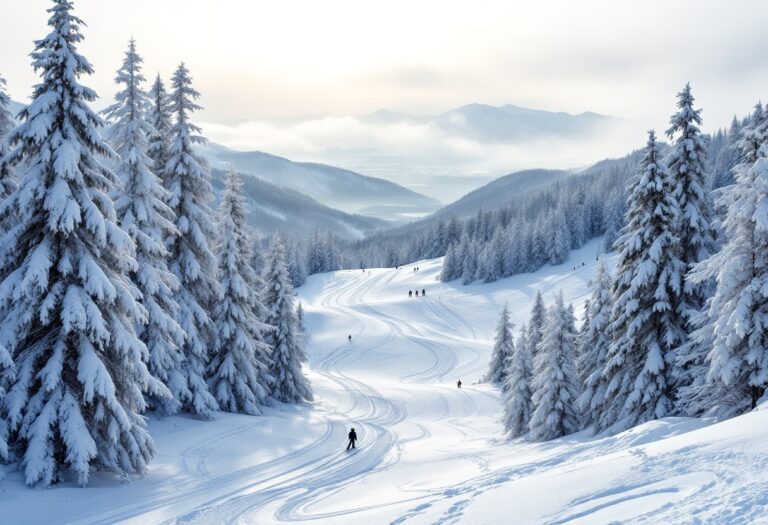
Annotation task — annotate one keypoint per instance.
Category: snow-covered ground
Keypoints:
(429, 453)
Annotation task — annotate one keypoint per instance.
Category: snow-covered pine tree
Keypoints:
(297, 269)
(687, 169)
(560, 243)
(594, 341)
(738, 312)
(752, 137)
(240, 363)
(191, 258)
(695, 394)
(6, 119)
(67, 306)
(518, 405)
(503, 347)
(536, 324)
(7, 181)
(300, 317)
(645, 321)
(469, 271)
(555, 386)
(332, 258)
(289, 383)
(450, 265)
(159, 116)
(142, 213)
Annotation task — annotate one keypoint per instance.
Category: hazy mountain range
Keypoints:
(500, 124)
(273, 208)
(334, 187)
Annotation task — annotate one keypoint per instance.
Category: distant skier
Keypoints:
(423, 292)
(410, 293)
(352, 439)
(458, 384)
(349, 337)
(417, 293)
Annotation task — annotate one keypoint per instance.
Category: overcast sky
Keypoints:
(261, 60)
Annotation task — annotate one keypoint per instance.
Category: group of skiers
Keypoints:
(423, 293)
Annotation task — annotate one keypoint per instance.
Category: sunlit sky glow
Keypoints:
(266, 60)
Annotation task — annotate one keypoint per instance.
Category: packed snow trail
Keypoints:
(428, 452)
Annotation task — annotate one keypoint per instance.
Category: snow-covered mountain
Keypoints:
(274, 208)
(498, 192)
(334, 187)
(500, 124)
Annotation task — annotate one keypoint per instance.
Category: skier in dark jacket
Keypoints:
(352, 439)
(458, 384)
(417, 293)
(410, 293)
(423, 292)
(349, 337)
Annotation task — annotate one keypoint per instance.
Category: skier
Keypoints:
(349, 337)
(410, 293)
(352, 439)
(417, 293)
(423, 292)
(458, 384)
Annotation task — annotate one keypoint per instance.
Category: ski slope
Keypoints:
(429, 453)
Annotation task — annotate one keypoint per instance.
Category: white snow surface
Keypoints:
(428, 452)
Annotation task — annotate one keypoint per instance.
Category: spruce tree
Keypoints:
(536, 324)
(289, 383)
(142, 213)
(737, 316)
(7, 181)
(67, 306)
(696, 395)
(159, 116)
(239, 367)
(555, 385)
(687, 169)
(450, 265)
(594, 342)
(191, 259)
(503, 347)
(518, 405)
(645, 323)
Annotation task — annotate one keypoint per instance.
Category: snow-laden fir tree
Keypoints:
(67, 306)
(536, 324)
(191, 259)
(518, 405)
(594, 342)
(159, 116)
(469, 271)
(450, 269)
(645, 322)
(738, 312)
(289, 383)
(695, 395)
(240, 363)
(503, 347)
(555, 386)
(687, 170)
(560, 243)
(6, 118)
(752, 136)
(142, 213)
(7, 182)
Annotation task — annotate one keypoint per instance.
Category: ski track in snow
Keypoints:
(429, 453)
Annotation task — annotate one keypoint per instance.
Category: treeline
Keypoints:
(120, 289)
(681, 328)
(535, 228)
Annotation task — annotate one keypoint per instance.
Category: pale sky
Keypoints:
(264, 60)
